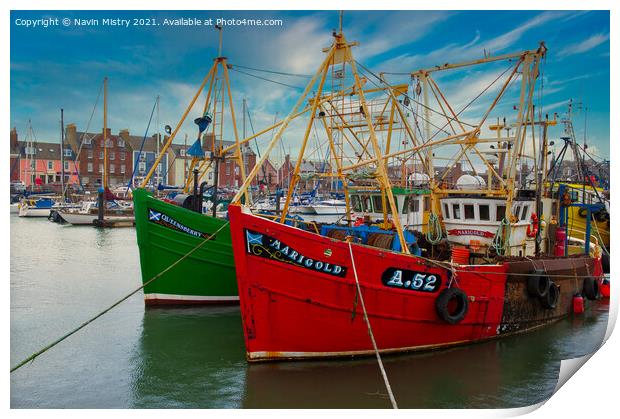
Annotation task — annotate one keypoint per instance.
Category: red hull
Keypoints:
(293, 309)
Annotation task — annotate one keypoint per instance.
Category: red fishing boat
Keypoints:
(492, 261)
(299, 297)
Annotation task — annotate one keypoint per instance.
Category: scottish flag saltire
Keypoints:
(254, 238)
(196, 149)
(154, 215)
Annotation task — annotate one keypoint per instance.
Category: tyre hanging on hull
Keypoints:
(538, 284)
(452, 305)
(590, 288)
(550, 300)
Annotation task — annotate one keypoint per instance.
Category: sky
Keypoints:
(63, 66)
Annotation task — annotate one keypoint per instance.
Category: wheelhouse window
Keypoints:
(456, 211)
(366, 204)
(517, 211)
(427, 203)
(524, 212)
(484, 212)
(500, 212)
(469, 212)
(355, 203)
(405, 209)
(446, 210)
(377, 203)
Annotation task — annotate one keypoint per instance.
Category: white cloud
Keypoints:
(583, 46)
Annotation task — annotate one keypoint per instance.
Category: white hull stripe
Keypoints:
(191, 297)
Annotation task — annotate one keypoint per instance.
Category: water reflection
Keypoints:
(510, 372)
(189, 358)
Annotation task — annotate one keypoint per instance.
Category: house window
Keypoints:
(500, 212)
(122, 169)
(90, 154)
(122, 155)
(456, 210)
(120, 143)
(228, 168)
(112, 155)
(50, 165)
(66, 165)
(142, 167)
(112, 168)
(101, 154)
(90, 167)
(469, 212)
(87, 141)
(182, 152)
(484, 212)
(68, 152)
(109, 143)
(446, 210)
(101, 168)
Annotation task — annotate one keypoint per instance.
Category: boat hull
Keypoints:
(166, 233)
(291, 310)
(25, 211)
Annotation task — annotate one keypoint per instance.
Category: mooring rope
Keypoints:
(372, 336)
(86, 323)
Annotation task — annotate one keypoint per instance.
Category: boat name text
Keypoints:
(167, 221)
(411, 280)
(258, 244)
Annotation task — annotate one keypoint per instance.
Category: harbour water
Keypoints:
(134, 357)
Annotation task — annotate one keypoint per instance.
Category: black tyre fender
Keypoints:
(550, 300)
(538, 284)
(590, 288)
(444, 299)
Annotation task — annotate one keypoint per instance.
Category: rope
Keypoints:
(372, 336)
(86, 323)
(598, 234)
(306, 76)
(502, 237)
(434, 233)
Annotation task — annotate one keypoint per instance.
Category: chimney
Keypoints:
(71, 137)
(14, 141)
(124, 134)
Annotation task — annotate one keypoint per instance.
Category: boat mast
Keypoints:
(105, 133)
(62, 155)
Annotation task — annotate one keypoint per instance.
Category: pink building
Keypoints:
(39, 163)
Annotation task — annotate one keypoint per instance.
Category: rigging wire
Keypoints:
(266, 79)
(272, 71)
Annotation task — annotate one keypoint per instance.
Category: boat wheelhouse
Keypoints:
(413, 204)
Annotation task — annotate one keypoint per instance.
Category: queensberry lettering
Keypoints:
(165, 220)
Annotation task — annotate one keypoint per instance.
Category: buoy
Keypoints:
(604, 288)
(578, 305)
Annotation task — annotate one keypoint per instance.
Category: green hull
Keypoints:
(166, 233)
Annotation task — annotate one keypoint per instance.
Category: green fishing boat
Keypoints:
(166, 233)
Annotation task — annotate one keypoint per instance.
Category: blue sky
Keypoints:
(58, 67)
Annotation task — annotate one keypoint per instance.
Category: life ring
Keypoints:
(590, 288)
(550, 301)
(538, 284)
(449, 312)
(532, 227)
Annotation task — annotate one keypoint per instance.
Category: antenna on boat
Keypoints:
(340, 16)
(219, 50)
